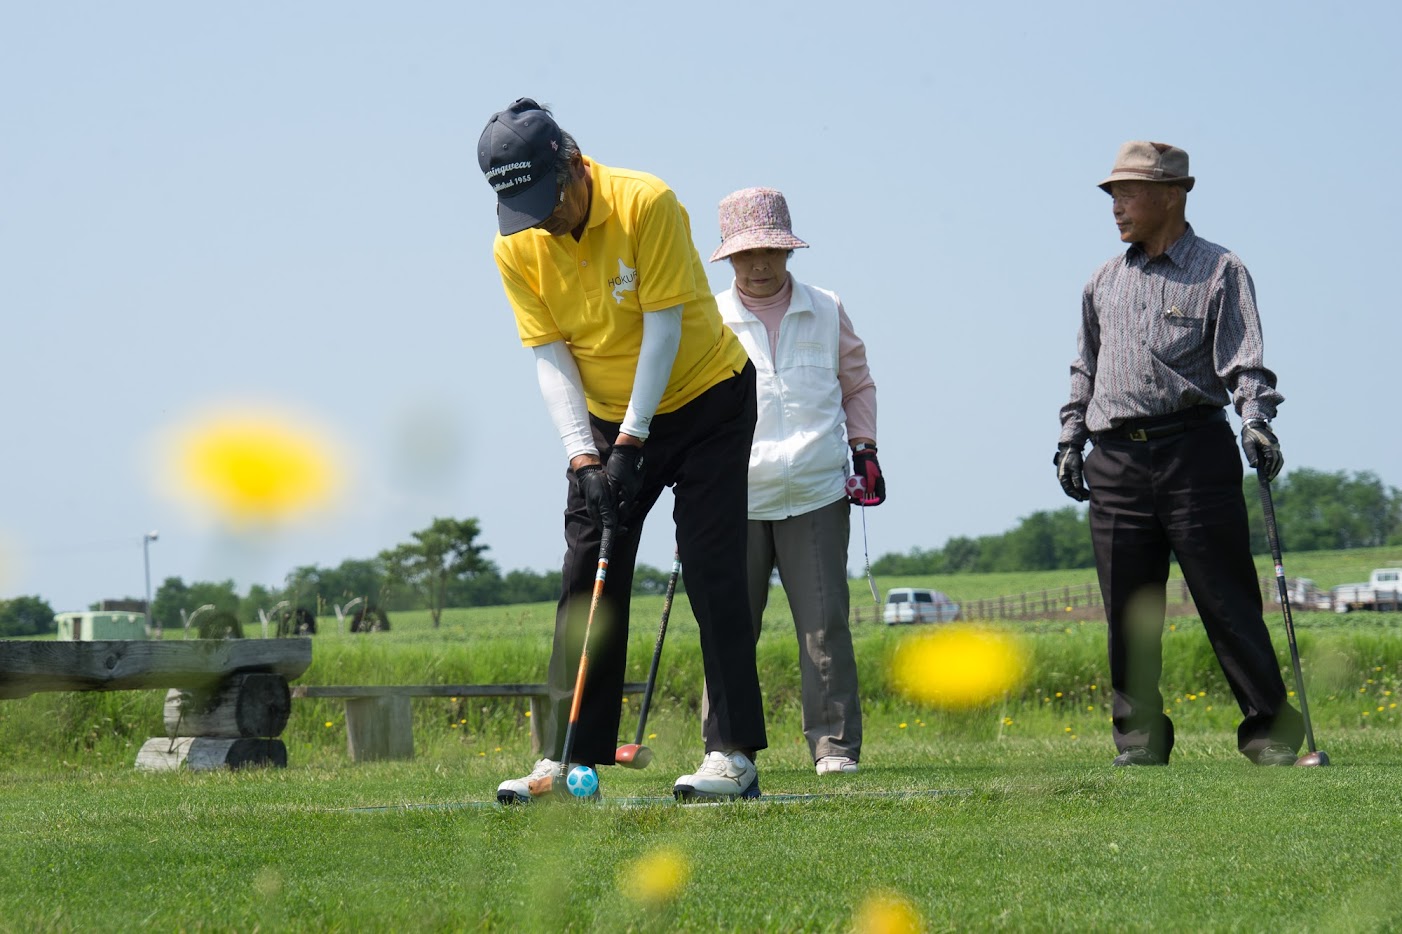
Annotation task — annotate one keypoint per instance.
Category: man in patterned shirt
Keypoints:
(1169, 337)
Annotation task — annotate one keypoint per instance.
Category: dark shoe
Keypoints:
(1138, 755)
(1276, 754)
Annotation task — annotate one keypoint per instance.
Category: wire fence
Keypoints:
(1083, 601)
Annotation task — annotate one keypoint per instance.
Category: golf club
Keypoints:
(605, 545)
(1314, 756)
(635, 755)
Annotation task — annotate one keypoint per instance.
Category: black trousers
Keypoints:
(702, 451)
(1181, 494)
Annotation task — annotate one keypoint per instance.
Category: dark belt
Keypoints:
(1163, 426)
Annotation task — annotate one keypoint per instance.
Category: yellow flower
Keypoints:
(328, 723)
(958, 666)
(251, 467)
(655, 877)
(1058, 693)
(887, 913)
(903, 726)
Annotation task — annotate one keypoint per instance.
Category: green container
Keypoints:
(97, 625)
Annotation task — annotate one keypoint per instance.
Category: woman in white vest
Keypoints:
(817, 411)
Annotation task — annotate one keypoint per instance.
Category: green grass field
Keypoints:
(1025, 827)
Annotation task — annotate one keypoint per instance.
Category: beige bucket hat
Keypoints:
(755, 219)
(1140, 161)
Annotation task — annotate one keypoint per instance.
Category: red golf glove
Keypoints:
(866, 486)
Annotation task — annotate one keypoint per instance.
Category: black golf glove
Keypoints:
(1261, 447)
(867, 485)
(625, 473)
(1070, 471)
(598, 494)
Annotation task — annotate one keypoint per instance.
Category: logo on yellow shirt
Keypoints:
(625, 281)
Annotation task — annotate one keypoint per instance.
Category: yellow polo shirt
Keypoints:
(635, 256)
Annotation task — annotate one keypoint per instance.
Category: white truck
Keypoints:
(1382, 591)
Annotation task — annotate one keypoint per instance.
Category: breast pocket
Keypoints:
(808, 354)
(1179, 335)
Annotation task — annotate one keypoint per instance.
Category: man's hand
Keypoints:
(1070, 471)
(625, 474)
(867, 485)
(598, 494)
(1261, 447)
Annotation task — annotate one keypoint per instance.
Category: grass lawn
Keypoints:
(1025, 826)
(1036, 834)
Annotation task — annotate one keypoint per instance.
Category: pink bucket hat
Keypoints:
(755, 219)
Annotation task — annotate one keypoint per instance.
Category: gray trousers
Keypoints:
(810, 552)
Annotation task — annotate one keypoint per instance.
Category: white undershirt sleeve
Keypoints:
(563, 392)
(662, 335)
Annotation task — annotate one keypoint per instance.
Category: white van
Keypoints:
(915, 605)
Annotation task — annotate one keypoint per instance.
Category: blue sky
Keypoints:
(203, 204)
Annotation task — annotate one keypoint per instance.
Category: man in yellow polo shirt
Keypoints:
(647, 388)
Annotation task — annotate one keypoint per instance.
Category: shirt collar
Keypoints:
(600, 207)
(1177, 253)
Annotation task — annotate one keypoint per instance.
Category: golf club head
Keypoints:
(1319, 757)
(633, 756)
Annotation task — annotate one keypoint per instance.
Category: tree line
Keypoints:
(1315, 511)
(444, 565)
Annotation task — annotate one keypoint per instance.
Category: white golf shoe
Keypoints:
(539, 784)
(836, 765)
(722, 775)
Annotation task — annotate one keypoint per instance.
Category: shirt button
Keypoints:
(584, 262)
(1148, 379)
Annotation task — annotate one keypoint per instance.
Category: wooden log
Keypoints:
(203, 754)
(245, 705)
(27, 667)
(379, 728)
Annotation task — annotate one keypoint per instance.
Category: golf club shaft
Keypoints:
(1273, 536)
(605, 545)
(657, 649)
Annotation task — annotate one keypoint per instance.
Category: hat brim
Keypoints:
(1187, 181)
(757, 238)
(529, 208)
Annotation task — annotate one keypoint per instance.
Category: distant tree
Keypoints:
(530, 587)
(171, 597)
(443, 552)
(649, 580)
(1317, 511)
(916, 562)
(961, 555)
(1047, 541)
(26, 616)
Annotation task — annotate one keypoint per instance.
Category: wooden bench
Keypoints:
(380, 723)
(227, 702)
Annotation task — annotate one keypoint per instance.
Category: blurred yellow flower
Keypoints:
(655, 877)
(251, 467)
(958, 666)
(887, 913)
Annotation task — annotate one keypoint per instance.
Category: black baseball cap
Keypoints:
(517, 153)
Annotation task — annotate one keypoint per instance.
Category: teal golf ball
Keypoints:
(582, 781)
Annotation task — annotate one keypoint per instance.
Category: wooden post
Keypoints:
(245, 705)
(203, 754)
(379, 728)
